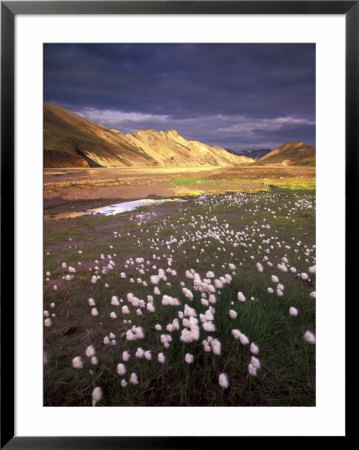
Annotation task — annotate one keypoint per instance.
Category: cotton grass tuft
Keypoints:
(223, 381)
(77, 362)
(96, 395)
(309, 337)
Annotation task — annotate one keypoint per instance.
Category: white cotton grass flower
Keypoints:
(54, 287)
(212, 299)
(275, 279)
(123, 383)
(121, 369)
(309, 337)
(90, 351)
(47, 322)
(91, 302)
(106, 340)
(135, 333)
(254, 348)
(270, 290)
(206, 346)
(112, 336)
(139, 353)
(148, 355)
(232, 314)
(46, 313)
(241, 297)
(166, 339)
(312, 269)
(304, 276)
(244, 339)
(114, 301)
(255, 362)
(282, 267)
(252, 370)
(94, 312)
(133, 378)
(52, 305)
(161, 358)
(218, 284)
(209, 326)
(154, 279)
(168, 300)
(236, 334)
(259, 267)
(223, 381)
(216, 347)
(125, 309)
(94, 361)
(293, 311)
(188, 358)
(96, 395)
(125, 355)
(313, 294)
(77, 362)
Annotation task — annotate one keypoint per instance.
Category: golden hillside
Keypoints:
(72, 141)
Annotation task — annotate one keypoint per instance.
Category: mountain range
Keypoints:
(73, 141)
(256, 153)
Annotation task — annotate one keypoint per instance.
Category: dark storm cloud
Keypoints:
(235, 95)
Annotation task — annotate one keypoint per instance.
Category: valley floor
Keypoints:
(71, 189)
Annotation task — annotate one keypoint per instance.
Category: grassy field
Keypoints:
(202, 253)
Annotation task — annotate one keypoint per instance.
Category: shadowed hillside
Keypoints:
(291, 154)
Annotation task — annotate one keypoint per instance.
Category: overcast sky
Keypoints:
(239, 96)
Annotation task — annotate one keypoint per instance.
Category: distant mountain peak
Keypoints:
(172, 132)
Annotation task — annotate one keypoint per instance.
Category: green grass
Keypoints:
(231, 183)
(287, 374)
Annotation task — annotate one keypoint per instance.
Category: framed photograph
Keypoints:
(172, 173)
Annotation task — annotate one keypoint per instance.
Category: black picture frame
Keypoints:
(9, 9)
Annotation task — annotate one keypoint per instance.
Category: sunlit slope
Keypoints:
(291, 154)
(72, 141)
